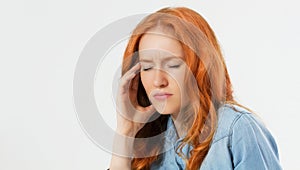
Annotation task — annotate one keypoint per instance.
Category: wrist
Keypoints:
(123, 146)
(130, 132)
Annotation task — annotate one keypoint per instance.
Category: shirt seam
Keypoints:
(232, 126)
(230, 131)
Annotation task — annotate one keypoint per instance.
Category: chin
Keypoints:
(165, 108)
(165, 111)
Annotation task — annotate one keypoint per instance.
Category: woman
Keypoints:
(175, 102)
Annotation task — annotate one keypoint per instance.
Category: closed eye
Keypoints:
(146, 69)
(174, 66)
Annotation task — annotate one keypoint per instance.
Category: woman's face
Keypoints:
(162, 72)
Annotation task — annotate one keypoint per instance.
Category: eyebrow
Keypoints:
(165, 59)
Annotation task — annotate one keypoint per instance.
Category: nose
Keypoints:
(160, 79)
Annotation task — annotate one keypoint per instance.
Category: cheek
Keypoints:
(179, 85)
(177, 79)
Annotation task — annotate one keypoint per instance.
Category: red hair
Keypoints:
(213, 87)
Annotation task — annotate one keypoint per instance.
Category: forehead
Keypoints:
(159, 44)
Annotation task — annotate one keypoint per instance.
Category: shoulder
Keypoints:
(229, 117)
(235, 121)
(243, 131)
(243, 141)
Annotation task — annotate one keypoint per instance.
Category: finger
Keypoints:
(133, 71)
(134, 83)
(130, 74)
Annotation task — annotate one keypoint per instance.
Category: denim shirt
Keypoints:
(241, 141)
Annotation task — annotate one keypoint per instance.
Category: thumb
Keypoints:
(150, 113)
(145, 114)
(150, 109)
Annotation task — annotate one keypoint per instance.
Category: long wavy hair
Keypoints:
(212, 89)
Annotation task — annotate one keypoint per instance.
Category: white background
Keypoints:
(42, 40)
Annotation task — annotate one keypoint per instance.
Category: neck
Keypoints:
(182, 122)
(179, 127)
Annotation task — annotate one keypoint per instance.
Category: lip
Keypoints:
(162, 95)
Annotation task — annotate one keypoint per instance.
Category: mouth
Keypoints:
(162, 96)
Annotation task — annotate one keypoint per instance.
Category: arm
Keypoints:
(131, 117)
(122, 148)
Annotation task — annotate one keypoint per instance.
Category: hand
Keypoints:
(131, 117)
